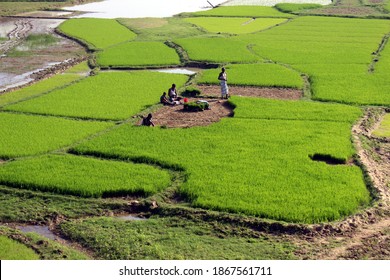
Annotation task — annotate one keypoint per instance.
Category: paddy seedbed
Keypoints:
(243, 11)
(222, 180)
(260, 75)
(384, 128)
(105, 96)
(38, 88)
(341, 50)
(218, 50)
(97, 33)
(13, 250)
(138, 54)
(85, 177)
(23, 135)
(234, 25)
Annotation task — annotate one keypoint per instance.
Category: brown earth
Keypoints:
(175, 116)
(276, 93)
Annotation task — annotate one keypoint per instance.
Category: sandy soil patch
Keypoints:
(276, 93)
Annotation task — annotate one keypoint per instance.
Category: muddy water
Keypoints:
(141, 8)
(41, 230)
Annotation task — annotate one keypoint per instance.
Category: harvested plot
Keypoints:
(218, 49)
(13, 250)
(86, 177)
(106, 96)
(234, 25)
(384, 128)
(262, 74)
(169, 239)
(97, 33)
(243, 11)
(138, 54)
(22, 135)
(255, 166)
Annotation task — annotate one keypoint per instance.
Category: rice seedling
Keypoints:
(13, 250)
(86, 177)
(265, 74)
(384, 129)
(324, 48)
(106, 96)
(218, 49)
(138, 54)
(292, 7)
(243, 11)
(234, 25)
(71, 75)
(97, 33)
(258, 165)
(23, 135)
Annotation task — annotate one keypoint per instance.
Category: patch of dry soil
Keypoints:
(175, 116)
(276, 93)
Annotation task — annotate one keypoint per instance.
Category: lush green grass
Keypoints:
(22, 135)
(97, 33)
(13, 250)
(268, 75)
(324, 48)
(160, 29)
(85, 177)
(46, 248)
(107, 96)
(24, 206)
(384, 128)
(138, 54)
(218, 49)
(234, 25)
(171, 239)
(243, 11)
(291, 7)
(256, 166)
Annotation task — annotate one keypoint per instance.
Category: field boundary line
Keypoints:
(377, 53)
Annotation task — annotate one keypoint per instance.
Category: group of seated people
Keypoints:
(172, 98)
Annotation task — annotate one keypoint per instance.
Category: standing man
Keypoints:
(223, 81)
